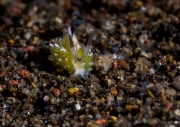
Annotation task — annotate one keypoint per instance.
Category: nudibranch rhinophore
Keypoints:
(68, 55)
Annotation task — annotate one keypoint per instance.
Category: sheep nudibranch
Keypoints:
(68, 55)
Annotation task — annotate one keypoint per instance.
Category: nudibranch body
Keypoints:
(68, 55)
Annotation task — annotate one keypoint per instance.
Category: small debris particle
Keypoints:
(25, 73)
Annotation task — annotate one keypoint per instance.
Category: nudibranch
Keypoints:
(68, 55)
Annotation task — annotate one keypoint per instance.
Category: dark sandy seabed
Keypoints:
(135, 81)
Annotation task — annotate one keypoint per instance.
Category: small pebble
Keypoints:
(123, 64)
(176, 83)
